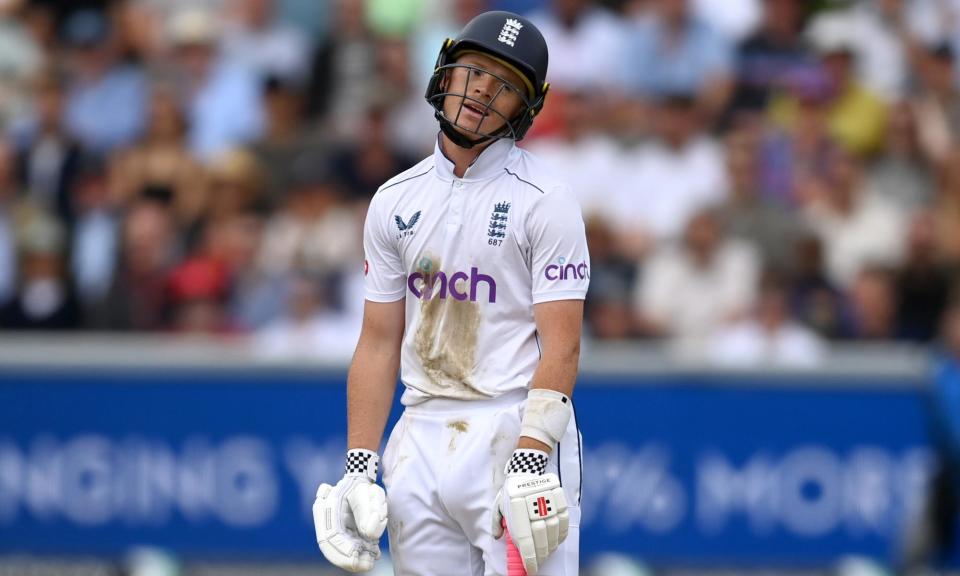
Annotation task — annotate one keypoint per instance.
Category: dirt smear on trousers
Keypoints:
(456, 427)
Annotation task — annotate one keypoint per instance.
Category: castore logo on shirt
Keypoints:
(406, 228)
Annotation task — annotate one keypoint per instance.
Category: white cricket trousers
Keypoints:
(442, 468)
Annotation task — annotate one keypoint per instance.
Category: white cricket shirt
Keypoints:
(472, 256)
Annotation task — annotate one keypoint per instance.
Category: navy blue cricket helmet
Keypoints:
(513, 41)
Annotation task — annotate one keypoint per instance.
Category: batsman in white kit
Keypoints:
(476, 268)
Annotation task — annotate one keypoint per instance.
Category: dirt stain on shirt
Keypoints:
(446, 337)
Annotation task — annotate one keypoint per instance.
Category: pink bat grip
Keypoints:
(514, 560)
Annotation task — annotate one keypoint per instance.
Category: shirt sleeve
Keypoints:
(560, 262)
(383, 274)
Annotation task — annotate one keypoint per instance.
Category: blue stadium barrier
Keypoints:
(678, 469)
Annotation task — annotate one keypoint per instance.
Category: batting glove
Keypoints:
(533, 507)
(350, 517)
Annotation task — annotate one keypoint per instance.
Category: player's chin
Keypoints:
(475, 128)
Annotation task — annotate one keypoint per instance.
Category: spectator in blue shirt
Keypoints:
(106, 98)
(670, 51)
(223, 96)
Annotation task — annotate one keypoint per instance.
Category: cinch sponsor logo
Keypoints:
(459, 285)
(563, 271)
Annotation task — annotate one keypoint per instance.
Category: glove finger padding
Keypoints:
(553, 533)
(536, 516)
(369, 505)
(361, 556)
(561, 521)
(539, 532)
(335, 523)
(563, 517)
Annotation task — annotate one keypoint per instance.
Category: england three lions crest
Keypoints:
(510, 31)
(497, 230)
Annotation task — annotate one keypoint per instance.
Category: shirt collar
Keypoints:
(488, 164)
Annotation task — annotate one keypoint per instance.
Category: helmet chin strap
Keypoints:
(458, 137)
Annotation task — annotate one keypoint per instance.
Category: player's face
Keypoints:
(484, 95)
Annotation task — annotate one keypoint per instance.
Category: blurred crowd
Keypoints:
(759, 178)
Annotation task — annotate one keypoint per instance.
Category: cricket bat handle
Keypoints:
(514, 560)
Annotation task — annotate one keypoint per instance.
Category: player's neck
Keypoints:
(462, 158)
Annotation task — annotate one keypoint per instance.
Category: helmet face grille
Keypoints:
(487, 127)
(439, 89)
